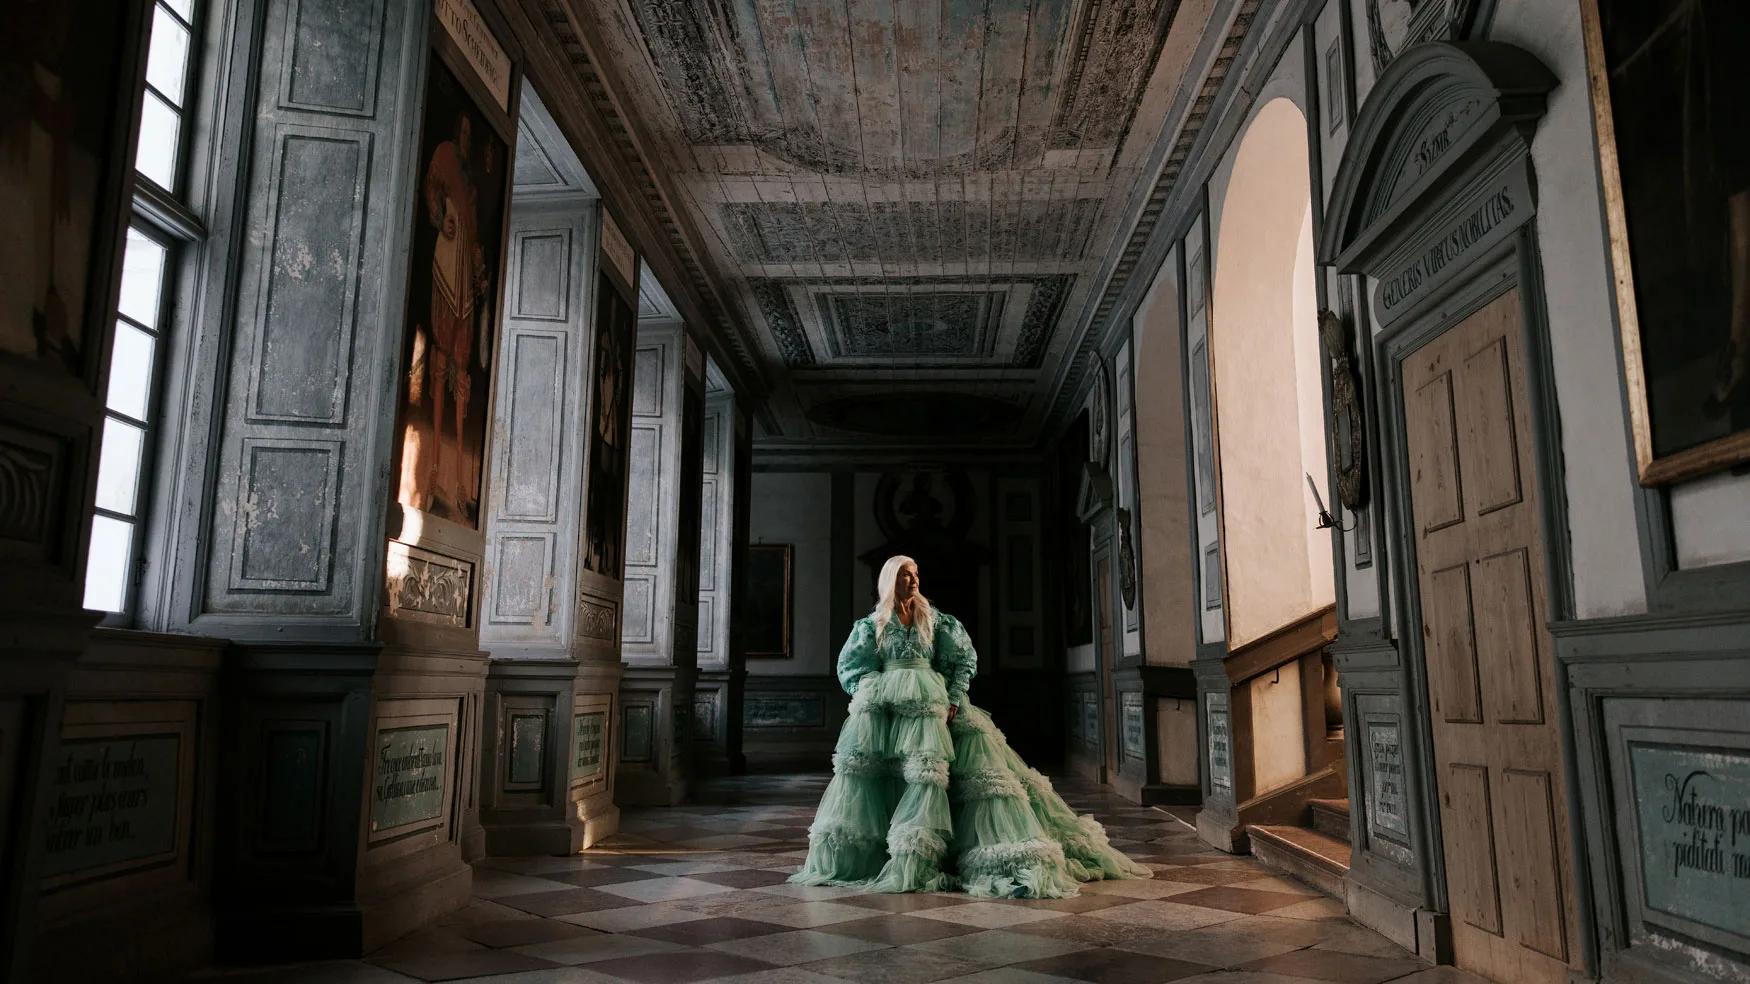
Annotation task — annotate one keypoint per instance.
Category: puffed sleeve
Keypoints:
(954, 658)
(859, 657)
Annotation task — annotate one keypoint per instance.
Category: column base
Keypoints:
(601, 818)
(1423, 932)
(537, 838)
(1156, 793)
(1220, 831)
(345, 929)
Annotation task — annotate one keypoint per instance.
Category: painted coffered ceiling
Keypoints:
(908, 201)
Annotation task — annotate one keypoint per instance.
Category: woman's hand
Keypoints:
(951, 710)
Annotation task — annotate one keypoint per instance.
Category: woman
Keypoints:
(926, 795)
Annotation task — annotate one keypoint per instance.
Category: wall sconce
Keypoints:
(1325, 520)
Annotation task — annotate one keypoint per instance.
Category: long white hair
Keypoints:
(923, 617)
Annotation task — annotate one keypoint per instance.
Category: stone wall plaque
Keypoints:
(784, 711)
(1385, 778)
(528, 747)
(635, 744)
(704, 716)
(114, 800)
(586, 744)
(1130, 715)
(409, 783)
(1221, 776)
(1692, 808)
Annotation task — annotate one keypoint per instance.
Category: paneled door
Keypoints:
(1491, 676)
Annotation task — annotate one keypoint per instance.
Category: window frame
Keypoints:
(166, 217)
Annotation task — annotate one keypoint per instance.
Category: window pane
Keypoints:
(118, 470)
(156, 158)
(106, 573)
(130, 371)
(142, 278)
(183, 7)
(167, 59)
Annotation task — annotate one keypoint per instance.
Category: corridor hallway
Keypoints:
(696, 893)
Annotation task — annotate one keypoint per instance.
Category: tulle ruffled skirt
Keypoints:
(918, 805)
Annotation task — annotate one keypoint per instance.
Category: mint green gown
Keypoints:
(919, 805)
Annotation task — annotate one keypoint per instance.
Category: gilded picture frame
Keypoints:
(1654, 466)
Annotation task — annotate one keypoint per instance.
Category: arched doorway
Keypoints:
(1268, 394)
(1269, 403)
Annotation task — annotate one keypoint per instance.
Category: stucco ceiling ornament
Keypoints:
(1348, 432)
(1393, 25)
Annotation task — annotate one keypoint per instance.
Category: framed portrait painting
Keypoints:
(616, 327)
(1672, 105)
(70, 69)
(768, 600)
(453, 297)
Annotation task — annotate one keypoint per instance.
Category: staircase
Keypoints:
(1317, 855)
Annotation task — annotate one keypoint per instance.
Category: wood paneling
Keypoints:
(1480, 566)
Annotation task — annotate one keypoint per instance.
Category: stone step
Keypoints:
(1303, 853)
(1331, 816)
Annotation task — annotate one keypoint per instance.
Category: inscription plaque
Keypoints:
(114, 800)
(1221, 776)
(1489, 222)
(1130, 711)
(586, 744)
(784, 711)
(1692, 805)
(484, 54)
(528, 746)
(1385, 778)
(1090, 719)
(409, 786)
(635, 743)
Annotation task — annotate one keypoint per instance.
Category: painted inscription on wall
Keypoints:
(1693, 808)
(587, 730)
(528, 747)
(409, 787)
(114, 800)
(484, 54)
(1131, 715)
(1487, 224)
(1385, 778)
(784, 711)
(1221, 769)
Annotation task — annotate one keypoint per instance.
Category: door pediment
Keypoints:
(1433, 124)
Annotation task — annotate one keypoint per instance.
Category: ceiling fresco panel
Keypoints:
(910, 190)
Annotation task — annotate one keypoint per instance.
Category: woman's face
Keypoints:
(905, 583)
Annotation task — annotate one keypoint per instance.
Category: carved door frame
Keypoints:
(1435, 200)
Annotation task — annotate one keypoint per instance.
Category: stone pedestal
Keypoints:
(529, 746)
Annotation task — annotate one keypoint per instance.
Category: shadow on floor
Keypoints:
(697, 893)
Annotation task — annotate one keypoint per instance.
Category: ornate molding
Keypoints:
(1348, 433)
(597, 621)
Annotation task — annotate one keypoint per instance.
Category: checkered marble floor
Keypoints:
(697, 893)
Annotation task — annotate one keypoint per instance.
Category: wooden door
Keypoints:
(1491, 676)
(1108, 664)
